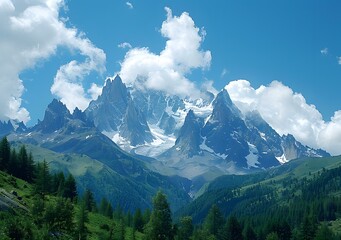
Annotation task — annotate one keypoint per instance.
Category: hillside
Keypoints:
(302, 186)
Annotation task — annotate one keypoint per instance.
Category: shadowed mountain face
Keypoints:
(115, 111)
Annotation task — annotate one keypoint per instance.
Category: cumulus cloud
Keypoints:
(130, 5)
(124, 45)
(167, 71)
(288, 112)
(31, 31)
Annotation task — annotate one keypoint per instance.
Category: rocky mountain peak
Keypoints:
(56, 116)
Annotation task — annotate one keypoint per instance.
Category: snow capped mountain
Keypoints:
(208, 136)
(109, 109)
(134, 126)
(191, 137)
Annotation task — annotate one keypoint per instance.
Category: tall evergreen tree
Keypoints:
(5, 153)
(233, 230)
(81, 219)
(59, 217)
(42, 183)
(58, 184)
(214, 221)
(160, 223)
(70, 189)
(25, 165)
(185, 230)
(89, 201)
(138, 223)
(308, 228)
(13, 167)
(103, 206)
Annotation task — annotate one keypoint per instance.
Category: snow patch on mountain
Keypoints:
(252, 158)
(282, 159)
(161, 143)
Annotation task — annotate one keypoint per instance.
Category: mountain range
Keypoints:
(140, 140)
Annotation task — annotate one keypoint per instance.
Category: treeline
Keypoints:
(290, 209)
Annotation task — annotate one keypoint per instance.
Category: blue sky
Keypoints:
(260, 41)
(297, 43)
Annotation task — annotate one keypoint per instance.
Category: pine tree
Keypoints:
(25, 165)
(120, 229)
(30, 168)
(109, 211)
(308, 228)
(160, 223)
(13, 167)
(233, 230)
(43, 180)
(5, 153)
(138, 223)
(103, 206)
(22, 163)
(89, 201)
(185, 230)
(214, 221)
(82, 218)
(70, 189)
(59, 216)
(58, 184)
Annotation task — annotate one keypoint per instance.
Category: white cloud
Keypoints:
(124, 45)
(339, 60)
(31, 31)
(167, 71)
(224, 72)
(288, 112)
(324, 51)
(95, 91)
(130, 5)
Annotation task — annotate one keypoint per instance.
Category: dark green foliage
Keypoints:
(272, 236)
(70, 189)
(81, 219)
(89, 201)
(120, 230)
(146, 216)
(42, 184)
(5, 154)
(58, 184)
(281, 228)
(138, 222)
(58, 216)
(324, 233)
(13, 163)
(160, 223)
(214, 221)
(19, 164)
(185, 229)
(232, 229)
(249, 233)
(106, 208)
(25, 165)
(16, 227)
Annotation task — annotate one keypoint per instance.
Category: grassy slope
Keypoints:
(130, 192)
(96, 220)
